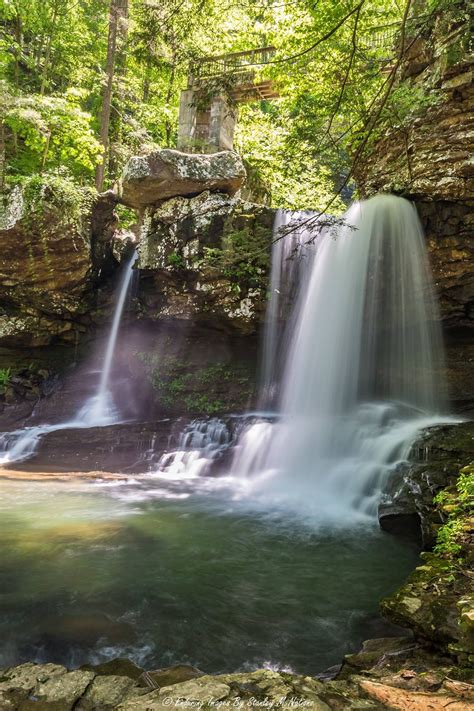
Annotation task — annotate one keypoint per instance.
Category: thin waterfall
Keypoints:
(99, 410)
(363, 373)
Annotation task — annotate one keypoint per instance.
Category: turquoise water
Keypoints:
(167, 572)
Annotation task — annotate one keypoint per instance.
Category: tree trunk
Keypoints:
(169, 94)
(3, 160)
(116, 13)
(147, 79)
(19, 40)
(49, 45)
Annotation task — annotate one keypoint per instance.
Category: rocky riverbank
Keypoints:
(394, 673)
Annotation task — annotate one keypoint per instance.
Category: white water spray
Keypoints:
(98, 411)
(364, 372)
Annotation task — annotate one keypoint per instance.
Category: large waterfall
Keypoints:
(363, 371)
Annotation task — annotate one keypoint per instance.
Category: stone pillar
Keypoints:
(205, 129)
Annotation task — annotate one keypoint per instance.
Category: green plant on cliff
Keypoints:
(206, 390)
(69, 202)
(175, 260)
(243, 258)
(5, 374)
(458, 506)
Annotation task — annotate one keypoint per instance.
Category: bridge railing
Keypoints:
(244, 64)
(240, 63)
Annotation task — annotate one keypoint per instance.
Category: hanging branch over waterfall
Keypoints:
(375, 113)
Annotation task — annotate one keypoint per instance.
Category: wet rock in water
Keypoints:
(438, 604)
(170, 675)
(59, 693)
(160, 175)
(115, 668)
(374, 651)
(246, 691)
(396, 679)
(435, 460)
(18, 683)
(86, 630)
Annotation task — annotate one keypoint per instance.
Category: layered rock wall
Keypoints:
(54, 244)
(427, 158)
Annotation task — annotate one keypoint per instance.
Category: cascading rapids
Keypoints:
(363, 372)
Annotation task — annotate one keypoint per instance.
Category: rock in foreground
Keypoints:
(411, 680)
(149, 179)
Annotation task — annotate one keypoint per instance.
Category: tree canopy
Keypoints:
(87, 83)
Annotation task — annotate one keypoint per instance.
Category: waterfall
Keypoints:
(292, 257)
(99, 410)
(363, 372)
(199, 444)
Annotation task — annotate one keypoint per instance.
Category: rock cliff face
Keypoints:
(54, 244)
(189, 336)
(206, 258)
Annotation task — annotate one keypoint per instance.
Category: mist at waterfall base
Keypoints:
(98, 410)
(363, 367)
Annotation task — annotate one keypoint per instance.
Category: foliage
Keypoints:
(71, 203)
(199, 390)
(333, 64)
(5, 374)
(458, 505)
(176, 260)
(53, 132)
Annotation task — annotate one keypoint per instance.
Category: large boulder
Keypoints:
(435, 460)
(150, 179)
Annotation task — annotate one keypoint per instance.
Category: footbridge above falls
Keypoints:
(218, 84)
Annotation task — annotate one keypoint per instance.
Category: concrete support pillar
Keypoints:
(205, 128)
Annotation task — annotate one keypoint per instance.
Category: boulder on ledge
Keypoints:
(160, 175)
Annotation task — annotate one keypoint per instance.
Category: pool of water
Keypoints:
(165, 572)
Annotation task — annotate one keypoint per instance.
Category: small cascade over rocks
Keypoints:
(98, 411)
(200, 444)
(363, 371)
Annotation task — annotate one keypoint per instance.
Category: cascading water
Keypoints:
(292, 257)
(363, 373)
(200, 443)
(99, 410)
